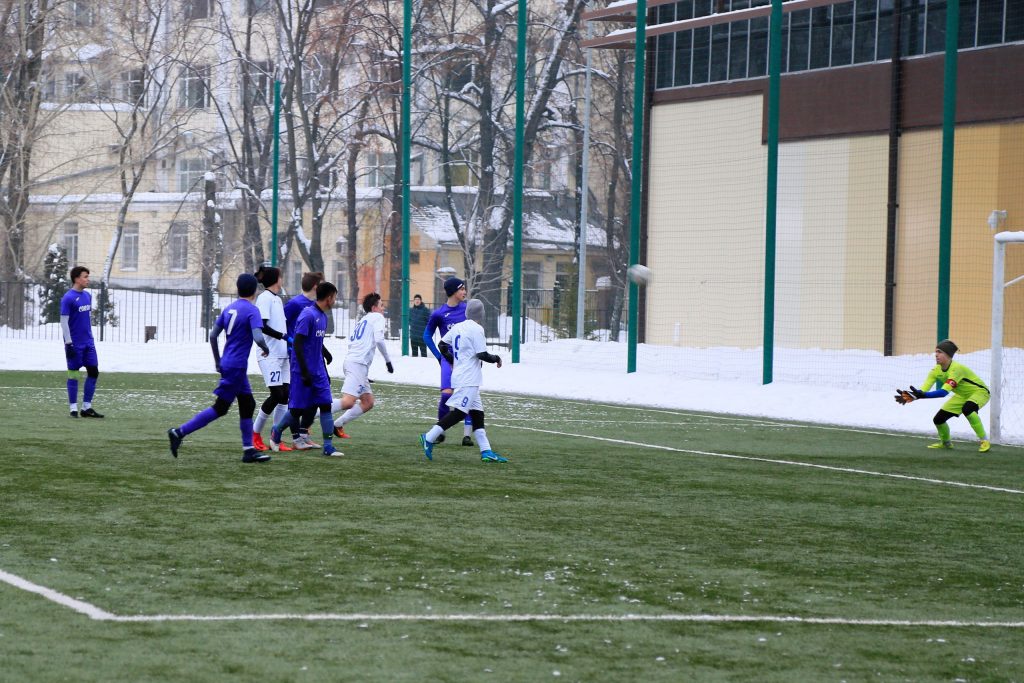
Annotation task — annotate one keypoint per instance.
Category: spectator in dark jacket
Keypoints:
(418, 316)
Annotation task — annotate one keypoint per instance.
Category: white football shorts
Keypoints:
(466, 399)
(357, 380)
(276, 371)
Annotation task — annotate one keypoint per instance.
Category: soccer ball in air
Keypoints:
(639, 274)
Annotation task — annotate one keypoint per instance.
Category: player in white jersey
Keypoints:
(274, 366)
(465, 347)
(367, 338)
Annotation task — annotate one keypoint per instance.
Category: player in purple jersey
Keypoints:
(292, 309)
(242, 326)
(79, 347)
(442, 320)
(311, 385)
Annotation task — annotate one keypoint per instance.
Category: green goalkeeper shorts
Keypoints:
(956, 403)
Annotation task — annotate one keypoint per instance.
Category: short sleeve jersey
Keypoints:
(238, 321)
(295, 306)
(78, 306)
(312, 323)
(369, 332)
(445, 317)
(467, 340)
(958, 379)
(272, 310)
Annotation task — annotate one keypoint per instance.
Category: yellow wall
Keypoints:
(830, 258)
(706, 223)
(988, 174)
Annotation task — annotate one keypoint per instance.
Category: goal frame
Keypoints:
(998, 288)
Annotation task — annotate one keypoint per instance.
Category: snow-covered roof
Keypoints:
(541, 230)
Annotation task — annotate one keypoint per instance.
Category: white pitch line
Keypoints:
(79, 606)
(795, 463)
(98, 614)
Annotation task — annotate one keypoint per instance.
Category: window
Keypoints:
(130, 247)
(380, 169)
(531, 283)
(197, 9)
(340, 273)
(864, 31)
(833, 35)
(83, 14)
(464, 171)
(190, 174)
(254, 7)
(49, 88)
(69, 240)
(74, 88)
(460, 75)
(194, 92)
(414, 257)
(261, 82)
(177, 247)
(133, 87)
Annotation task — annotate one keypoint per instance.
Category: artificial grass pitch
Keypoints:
(602, 512)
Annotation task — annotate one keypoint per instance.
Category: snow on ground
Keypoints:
(853, 388)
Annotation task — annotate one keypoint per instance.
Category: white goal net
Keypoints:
(1007, 405)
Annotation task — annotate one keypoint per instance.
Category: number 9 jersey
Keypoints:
(467, 340)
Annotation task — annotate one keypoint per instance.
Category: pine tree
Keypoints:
(56, 283)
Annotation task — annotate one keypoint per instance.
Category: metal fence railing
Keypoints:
(32, 311)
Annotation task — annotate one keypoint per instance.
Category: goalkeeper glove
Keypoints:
(69, 351)
(903, 397)
(917, 392)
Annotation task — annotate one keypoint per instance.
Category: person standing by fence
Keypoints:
(79, 347)
(418, 316)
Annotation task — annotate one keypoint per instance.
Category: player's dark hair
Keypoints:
(311, 280)
(417, 296)
(268, 276)
(325, 290)
(77, 271)
(370, 300)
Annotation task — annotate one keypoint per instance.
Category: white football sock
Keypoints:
(481, 440)
(434, 432)
(349, 415)
(261, 419)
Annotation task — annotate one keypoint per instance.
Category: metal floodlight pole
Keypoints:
(406, 156)
(635, 198)
(276, 163)
(517, 180)
(581, 287)
(946, 192)
(772, 186)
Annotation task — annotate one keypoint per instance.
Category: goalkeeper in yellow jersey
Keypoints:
(969, 394)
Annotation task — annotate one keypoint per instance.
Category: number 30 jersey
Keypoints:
(368, 334)
(466, 339)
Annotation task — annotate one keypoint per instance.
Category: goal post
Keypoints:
(999, 286)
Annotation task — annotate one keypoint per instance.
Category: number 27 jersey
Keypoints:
(466, 339)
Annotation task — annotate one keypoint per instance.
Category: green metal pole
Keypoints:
(772, 183)
(636, 187)
(946, 193)
(277, 144)
(517, 180)
(406, 155)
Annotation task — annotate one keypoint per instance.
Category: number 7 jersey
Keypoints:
(467, 340)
